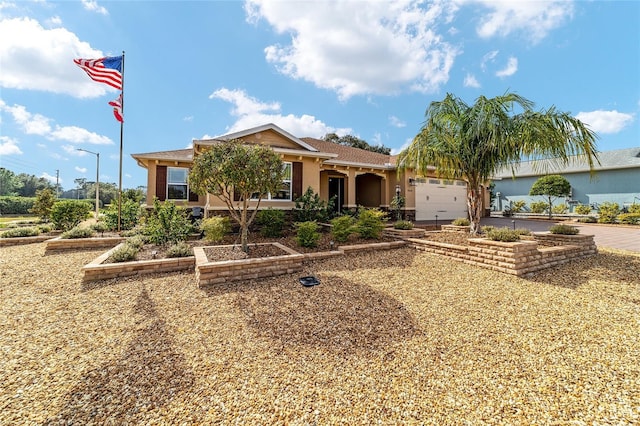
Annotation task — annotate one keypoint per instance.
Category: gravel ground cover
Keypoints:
(390, 337)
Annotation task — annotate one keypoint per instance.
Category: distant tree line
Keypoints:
(355, 142)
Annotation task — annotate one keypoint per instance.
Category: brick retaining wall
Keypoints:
(58, 243)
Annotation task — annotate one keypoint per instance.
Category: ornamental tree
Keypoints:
(237, 173)
(551, 186)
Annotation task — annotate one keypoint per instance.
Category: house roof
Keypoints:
(253, 130)
(350, 155)
(609, 160)
(185, 155)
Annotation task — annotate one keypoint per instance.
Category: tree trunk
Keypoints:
(474, 205)
(550, 206)
(244, 228)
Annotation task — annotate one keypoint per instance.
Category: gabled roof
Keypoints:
(609, 160)
(253, 130)
(185, 155)
(351, 155)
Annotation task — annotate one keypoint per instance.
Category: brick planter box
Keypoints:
(405, 233)
(97, 270)
(521, 258)
(56, 244)
(455, 228)
(24, 240)
(244, 269)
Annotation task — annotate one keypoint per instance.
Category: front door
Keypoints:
(336, 189)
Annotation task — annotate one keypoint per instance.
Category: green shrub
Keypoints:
(215, 228)
(487, 228)
(167, 223)
(634, 208)
(608, 212)
(518, 206)
(503, 234)
(629, 218)
(124, 253)
(342, 227)
(67, 214)
(310, 207)
(403, 224)
(522, 231)
(461, 221)
(45, 199)
(131, 232)
(100, 227)
(307, 234)
(582, 209)
(538, 206)
(181, 249)
(23, 231)
(16, 205)
(564, 229)
(78, 232)
(271, 222)
(370, 223)
(588, 219)
(137, 241)
(130, 213)
(45, 228)
(560, 209)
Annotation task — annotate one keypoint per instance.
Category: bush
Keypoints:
(16, 205)
(461, 221)
(310, 207)
(503, 234)
(271, 222)
(45, 199)
(582, 209)
(370, 223)
(137, 241)
(403, 224)
(608, 212)
(181, 249)
(538, 207)
(629, 218)
(78, 232)
(130, 212)
(522, 231)
(342, 227)
(307, 234)
(167, 224)
(100, 227)
(124, 253)
(560, 209)
(45, 228)
(67, 214)
(518, 206)
(20, 232)
(564, 229)
(487, 228)
(634, 208)
(588, 219)
(215, 228)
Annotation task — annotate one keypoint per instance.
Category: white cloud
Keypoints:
(360, 48)
(488, 57)
(50, 178)
(36, 124)
(605, 121)
(533, 19)
(396, 122)
(93, 6)
(251, 112)
(36, 58)
(396, 151)
(510, 69)
(9, 146)
(470, 80)
(80, 169)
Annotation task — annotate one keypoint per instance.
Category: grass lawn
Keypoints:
(394, 337)
(8, 219)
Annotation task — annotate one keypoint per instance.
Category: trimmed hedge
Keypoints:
(16, 205)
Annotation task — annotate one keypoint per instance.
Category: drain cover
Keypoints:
(309, 281)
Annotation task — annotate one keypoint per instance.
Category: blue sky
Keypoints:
(198, 69)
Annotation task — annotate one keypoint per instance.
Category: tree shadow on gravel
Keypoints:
(603, 266)
(338, 316)
(148, 375)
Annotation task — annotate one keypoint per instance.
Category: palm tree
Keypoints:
(474, 142)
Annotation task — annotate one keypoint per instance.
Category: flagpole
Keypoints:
(121, 137)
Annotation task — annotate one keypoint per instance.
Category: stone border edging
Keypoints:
(59, 243)
(4, 242)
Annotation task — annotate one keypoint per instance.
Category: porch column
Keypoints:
(351, 190)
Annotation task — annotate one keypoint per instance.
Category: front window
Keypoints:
(284, 192)
(177, 188)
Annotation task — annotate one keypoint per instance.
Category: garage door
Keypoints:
(445, 198)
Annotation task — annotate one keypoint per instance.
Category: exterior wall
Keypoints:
(619, 186)
(152, 177)
(270, 138)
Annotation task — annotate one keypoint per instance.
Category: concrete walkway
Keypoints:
(617, 237)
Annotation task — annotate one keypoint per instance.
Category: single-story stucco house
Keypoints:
(356, 177)
(616, 180)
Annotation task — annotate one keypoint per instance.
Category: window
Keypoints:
(177, 188)
(284, 193)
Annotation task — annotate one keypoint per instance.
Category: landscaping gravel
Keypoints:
(390, 337)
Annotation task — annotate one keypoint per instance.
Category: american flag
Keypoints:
(117, 108)
(106, 70)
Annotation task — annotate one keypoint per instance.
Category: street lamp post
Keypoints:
(97, 154)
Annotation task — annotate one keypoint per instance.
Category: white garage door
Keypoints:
(445, 198)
